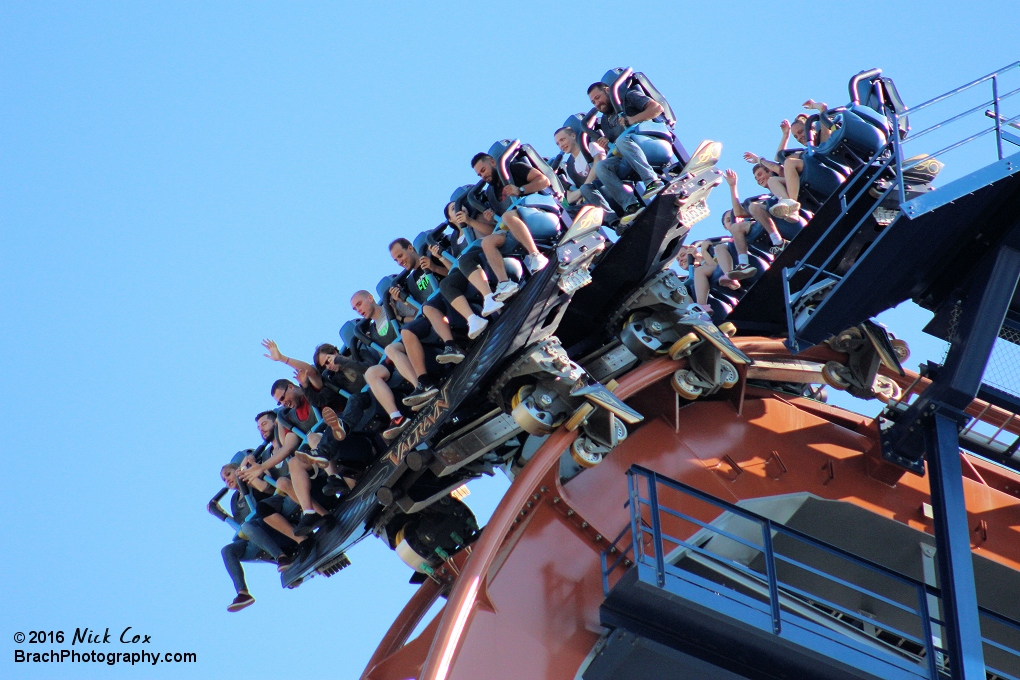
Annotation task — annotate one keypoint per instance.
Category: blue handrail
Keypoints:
(646, 516)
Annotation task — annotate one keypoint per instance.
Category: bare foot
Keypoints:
(334, 424)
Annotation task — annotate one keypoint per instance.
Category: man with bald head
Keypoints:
(382, 332)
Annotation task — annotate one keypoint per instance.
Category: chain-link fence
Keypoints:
(1003, 369)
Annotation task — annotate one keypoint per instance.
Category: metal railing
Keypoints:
(651, 546)
(886, 169)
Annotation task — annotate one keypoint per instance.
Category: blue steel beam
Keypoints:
(952, 538)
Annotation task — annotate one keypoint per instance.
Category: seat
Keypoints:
(854, 142)
(622, 80)
(818, 180)
(541, 212)
(870, 89)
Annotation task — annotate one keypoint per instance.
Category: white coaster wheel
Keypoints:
(886, 389)
(728, 375)
(579, 416)
(683, 387)
(901, 348)
(682, 345)
(582, 456)
(835, 375)
(521, 395)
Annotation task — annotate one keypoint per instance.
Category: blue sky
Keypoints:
(180, 180)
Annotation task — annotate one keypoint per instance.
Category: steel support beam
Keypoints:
(952, 536)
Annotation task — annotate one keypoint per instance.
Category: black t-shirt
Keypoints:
(633, 103)
(418, 286)
(329, 395)
(518, 175)
(381, 337)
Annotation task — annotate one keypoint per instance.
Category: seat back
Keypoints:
(507, 151)
(621, 80)
(853, 142)
(869, 88)
(818, 180)
(347, 333)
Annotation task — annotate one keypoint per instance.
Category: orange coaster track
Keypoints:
(523, 601)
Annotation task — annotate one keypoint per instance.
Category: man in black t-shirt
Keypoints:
(513, 231)
(627, 155)
(415, 355)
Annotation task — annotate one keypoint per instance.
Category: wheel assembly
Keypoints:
(728, 376)
(836, 375)
(886, 389)
(682, 345)
(901, 348)
(581, 455)
(682, 385)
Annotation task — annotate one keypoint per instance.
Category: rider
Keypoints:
(627, 154)
(580, 168)
(504, 240)
(381, 332)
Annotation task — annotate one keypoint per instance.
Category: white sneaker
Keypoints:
(536, 262)
(504, 290)
(785, 207)
(698, 312)
(476, 325)
(491, 305)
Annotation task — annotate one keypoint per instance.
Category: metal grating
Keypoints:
(1003, 369)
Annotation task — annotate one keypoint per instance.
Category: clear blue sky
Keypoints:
(180, 180)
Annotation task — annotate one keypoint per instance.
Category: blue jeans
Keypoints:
(592, 196)
(241, 551)
(614, 169)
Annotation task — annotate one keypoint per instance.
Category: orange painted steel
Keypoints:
(527, 598)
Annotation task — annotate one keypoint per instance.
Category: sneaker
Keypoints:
(726, 282)
(397, 425)
(313, 458)
(785, 207)
(476, 325)
(504, 290)
(309, 520)
(774, 251)
(334, 423)
(653, 188)
(422, 394)
(631, 209)
(536, 262)
(741, 272)
(490, 304)
(335, 486)
(628, 220)
(450, 355)
(240, 602)
(284, 562)
(698, 312)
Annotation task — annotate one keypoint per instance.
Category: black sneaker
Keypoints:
(422, 394)
(397, 425)
(632, 208)
(653, 188)
(776, 250)
(450, 355)
(240, 602)
(284, 562)
(742, 271)
(335, 486)
(309, 520)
